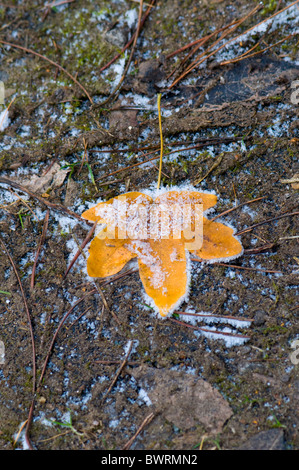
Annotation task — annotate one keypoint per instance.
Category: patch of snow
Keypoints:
(131, 17)
(143, 397)
(21, 437)
(228, 335)
(118, 69)
(4, 120)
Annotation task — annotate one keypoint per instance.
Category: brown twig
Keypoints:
(187, 46)
(101, 293)
(57, 331)
(78, 318)
(199, 145)
(82, 246)
(130, 41)
(41, 242)
(118, 87)
(234, 266)
(207, 330)
(248, 229)
(204, 56)
(207, 315)
(29, 420)
(237, 207)
(30, 51)
(130, 167)
(118, 372)
(144, 423)
(259, 249)
(20, 429)
(215, 165)
(51, 205)
(200, 142)
(116, 277)
(23, 202)
(247, 54)
(198, 43)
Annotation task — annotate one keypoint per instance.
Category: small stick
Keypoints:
(6, 111)
(30, 51)
(247, 54)
(198, 43)
(57, 331)
(131, 166)
(80, 316)
(119, 276)
(19, 432)
(42, 239)
(85, 156)
(23, 202)
(57, 207)
(124, 362)
(161, 139)
(237, 207)
(82, 246)
(130, 41)
(29, 420)
(211, 315)
(204, 140)
(204, 57)
(248, 229)
(294, 308)
(239, 267)
(144, 423)
(99, 290)
(201, 144)
(107, 183)
(259, 249)
(198, 62)
(117, 89)
(207, 330)
(217, 163)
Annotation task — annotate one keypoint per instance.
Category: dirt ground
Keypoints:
(117, 375)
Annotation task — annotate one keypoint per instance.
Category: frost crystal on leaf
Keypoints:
(159, 230)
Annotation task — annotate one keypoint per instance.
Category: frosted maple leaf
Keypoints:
(159, 231)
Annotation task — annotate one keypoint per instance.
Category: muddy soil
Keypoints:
(116, 370)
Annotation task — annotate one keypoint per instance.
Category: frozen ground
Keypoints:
(235, 128)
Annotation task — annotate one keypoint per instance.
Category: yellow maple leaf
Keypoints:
(160, 232)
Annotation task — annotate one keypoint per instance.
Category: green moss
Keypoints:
(274, 329)
(269, 7)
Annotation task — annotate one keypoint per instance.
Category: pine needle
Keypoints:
(161, 139)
